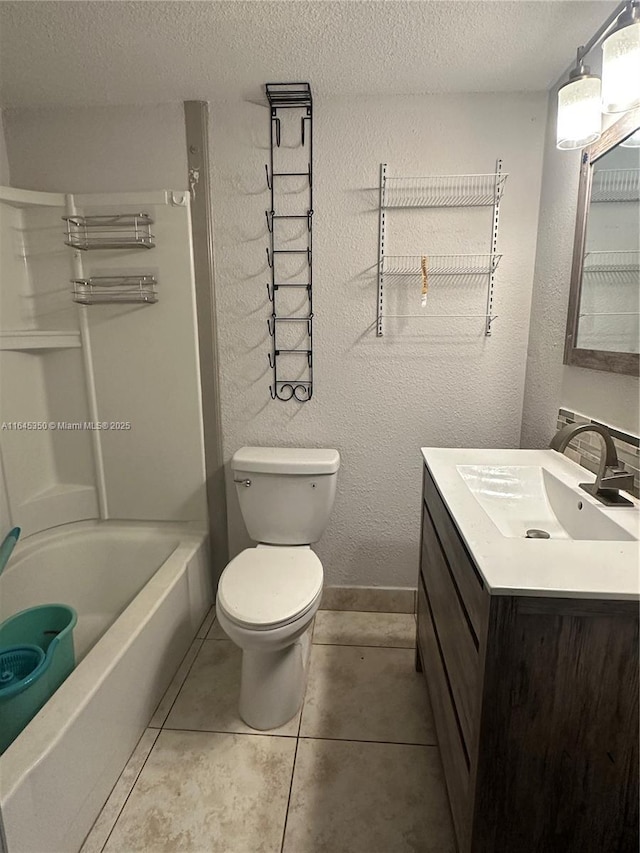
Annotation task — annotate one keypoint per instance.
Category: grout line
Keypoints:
(361, 646)
(362, 740)
(293, 771)
(184, 679)
(269, 733)
(133, 785)
(364, 645)
(197, 636)
(256, 733)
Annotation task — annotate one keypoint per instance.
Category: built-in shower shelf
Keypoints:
(116, 231)
(440, 265)
(31, 340)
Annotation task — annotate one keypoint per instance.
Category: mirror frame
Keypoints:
(614, 362)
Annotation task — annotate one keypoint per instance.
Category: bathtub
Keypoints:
(141, 591)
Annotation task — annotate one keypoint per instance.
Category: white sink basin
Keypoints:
(496, 496)
(520, 498)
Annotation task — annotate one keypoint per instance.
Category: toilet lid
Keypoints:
(268, 587)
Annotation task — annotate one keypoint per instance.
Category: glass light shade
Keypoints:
(621, 69)
(579, 112)
(632, 141)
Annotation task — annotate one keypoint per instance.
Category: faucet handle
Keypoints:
(617, 478)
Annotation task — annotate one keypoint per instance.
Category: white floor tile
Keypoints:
(368, 798)
(357, 693)
(208, 793)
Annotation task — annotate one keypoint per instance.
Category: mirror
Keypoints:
(603, 322)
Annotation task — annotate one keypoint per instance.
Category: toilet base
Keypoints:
(273, 683)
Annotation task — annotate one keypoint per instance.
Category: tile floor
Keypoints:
(357, 771)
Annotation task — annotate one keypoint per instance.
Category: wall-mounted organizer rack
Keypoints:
(615, 185)
(118, 231)
(295, 381)
(103, 290)
(439, 191)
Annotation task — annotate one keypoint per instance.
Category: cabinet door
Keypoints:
(455, 633)
(467, 578)
(454, 758)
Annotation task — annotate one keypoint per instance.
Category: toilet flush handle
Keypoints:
(246, 482)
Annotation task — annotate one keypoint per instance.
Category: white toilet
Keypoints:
(268, 596)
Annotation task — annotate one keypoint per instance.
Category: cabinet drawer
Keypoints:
(454, 761)
(458, 644)
(463, 569)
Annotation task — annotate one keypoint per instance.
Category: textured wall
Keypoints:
(97, 149)
(377, 400)
(607, 397)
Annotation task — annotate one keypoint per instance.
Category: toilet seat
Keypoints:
(269, 587)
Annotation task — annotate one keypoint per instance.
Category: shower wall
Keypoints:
(67, 370)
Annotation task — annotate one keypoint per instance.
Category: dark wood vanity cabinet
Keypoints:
(535, 703)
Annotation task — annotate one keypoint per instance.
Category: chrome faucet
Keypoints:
(611, 475)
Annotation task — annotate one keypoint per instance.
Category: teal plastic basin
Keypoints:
(50, 627)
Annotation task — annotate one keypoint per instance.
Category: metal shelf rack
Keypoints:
(441, 265)
(627, 261)
(295, 99)
(444, 190)
(104, 290)
(432, 191)
(117, 231)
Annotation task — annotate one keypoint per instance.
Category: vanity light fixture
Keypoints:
(579, 118)
(583, 99)
(621, 63)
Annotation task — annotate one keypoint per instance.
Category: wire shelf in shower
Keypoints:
(444, 190)
(117, 231)
(107, 290)
(441, 265)
(610, 185)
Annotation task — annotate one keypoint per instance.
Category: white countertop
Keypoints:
(561, 568)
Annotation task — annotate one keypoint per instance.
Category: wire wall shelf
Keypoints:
(117, 231)
(296, 359)
(439, 191)
(105, 290)
(440, 265)
(612, 262)
(610, 185)
(445, 190)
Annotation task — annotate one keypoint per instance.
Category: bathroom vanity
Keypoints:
(530, 652)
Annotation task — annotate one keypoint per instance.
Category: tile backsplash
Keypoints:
(586, 448)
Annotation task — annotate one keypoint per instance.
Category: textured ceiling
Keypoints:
(115, 52)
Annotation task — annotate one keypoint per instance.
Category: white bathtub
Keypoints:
(141, 592)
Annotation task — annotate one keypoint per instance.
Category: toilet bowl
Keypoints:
(267, 599)
(268, 595)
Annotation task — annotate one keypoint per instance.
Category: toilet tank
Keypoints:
(286, 494)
